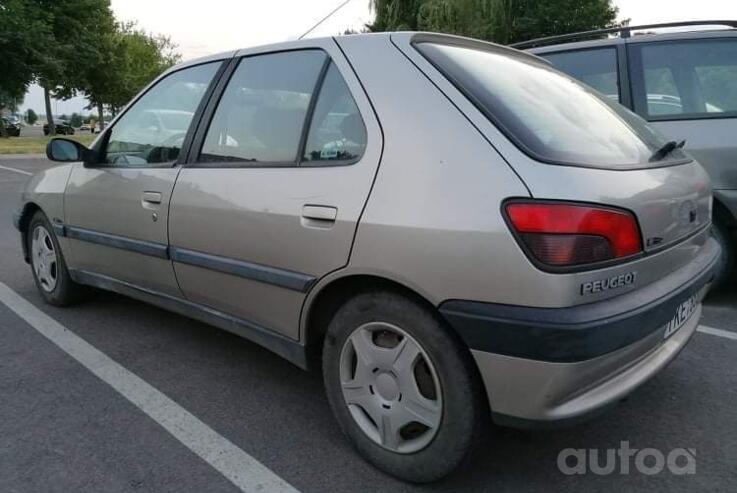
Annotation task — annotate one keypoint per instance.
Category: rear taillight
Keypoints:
(563, 235)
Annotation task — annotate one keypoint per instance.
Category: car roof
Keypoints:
(312, 42)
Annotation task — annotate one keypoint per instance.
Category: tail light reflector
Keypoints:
(562, 235)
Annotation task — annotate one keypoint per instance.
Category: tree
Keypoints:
(138, 57)
(76, 120)
(31, 117)
(23, 34)
(75, 26)
(501, 21)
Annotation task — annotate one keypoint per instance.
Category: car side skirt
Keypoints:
(289, 349)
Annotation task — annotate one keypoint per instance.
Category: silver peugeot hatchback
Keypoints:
(448, 228)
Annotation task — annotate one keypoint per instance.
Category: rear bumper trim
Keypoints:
(579, 332)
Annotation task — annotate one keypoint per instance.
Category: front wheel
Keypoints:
(401, 386)
(48, 266)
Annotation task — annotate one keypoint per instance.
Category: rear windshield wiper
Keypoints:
(669, 147)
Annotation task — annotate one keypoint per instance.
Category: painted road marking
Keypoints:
(717, 332)
(248, 474)
(16, 170)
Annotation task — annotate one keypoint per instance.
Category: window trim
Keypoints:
(100, 147)
(639, 91)
(195, 151)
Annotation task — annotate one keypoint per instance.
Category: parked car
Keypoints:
(12, 127)
(85, 128)
(448, 228)
(683, 83)
(63, 127)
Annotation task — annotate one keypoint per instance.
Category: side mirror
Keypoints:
(67, 151)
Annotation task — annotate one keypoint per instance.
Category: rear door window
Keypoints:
(549, 115)
(337, 133)
(260, 118)
(595, 67)
(685, 79)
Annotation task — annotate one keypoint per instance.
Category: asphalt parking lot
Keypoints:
(64, 428)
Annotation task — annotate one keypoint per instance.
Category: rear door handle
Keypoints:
(151, 197)
(319, 216)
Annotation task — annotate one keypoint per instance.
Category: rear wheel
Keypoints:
(725, 267)
(401, 387)
(48, 266)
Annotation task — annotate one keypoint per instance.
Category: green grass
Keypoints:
(36, 145)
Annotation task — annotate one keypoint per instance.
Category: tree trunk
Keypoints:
(3, 130)
(101, 116)
(49, 114)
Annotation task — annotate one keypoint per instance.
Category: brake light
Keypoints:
(562, 235)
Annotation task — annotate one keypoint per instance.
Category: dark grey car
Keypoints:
(683, 83)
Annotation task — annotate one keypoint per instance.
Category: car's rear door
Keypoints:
(279, 173)
(116, 211)
(687, 88)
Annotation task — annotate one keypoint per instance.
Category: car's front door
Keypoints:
(272, 200)
(116, 211)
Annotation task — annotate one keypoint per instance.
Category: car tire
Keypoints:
(443, 374)
(725, 267)
(49, 268)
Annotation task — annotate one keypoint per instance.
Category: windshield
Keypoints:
(549, 115)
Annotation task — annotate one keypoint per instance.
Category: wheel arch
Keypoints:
(29, 209)
(330, 294)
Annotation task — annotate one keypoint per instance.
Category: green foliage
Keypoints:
(10, 101)
(31, 117)
(76, 120)
(75, 45)
(76, 27)
(24, 31)
(131, 58)
(501, 21)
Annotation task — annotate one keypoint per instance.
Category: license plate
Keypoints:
(683, 313)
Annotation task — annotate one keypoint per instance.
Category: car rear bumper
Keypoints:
(547, 366)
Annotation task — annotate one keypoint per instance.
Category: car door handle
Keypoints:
(151, 197)
(319, 216)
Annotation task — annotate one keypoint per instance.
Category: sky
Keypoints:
(201, 28)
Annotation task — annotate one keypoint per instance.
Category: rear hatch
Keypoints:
(569, 142)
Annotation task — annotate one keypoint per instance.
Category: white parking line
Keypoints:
(248, 474)
(16, 170)
(717, 332)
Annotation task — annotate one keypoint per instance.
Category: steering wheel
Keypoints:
(162, 152)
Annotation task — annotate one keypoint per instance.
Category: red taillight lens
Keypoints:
(566, 234)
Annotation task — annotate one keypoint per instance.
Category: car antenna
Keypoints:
(343, 4)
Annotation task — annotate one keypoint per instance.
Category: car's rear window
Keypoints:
(549, 115)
